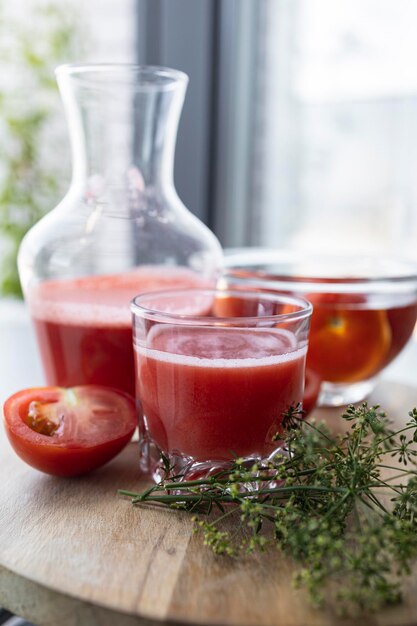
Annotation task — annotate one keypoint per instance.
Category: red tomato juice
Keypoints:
(213, 393)
(84, 328)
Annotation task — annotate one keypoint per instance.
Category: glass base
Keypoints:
(175, 466)
(341, 394)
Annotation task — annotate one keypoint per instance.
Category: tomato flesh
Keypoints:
(348, 342)
(68, 432)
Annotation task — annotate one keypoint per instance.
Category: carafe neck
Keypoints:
(123, 124)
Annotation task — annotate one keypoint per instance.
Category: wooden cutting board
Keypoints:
(74, 553)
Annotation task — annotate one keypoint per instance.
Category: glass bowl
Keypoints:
(364, 310)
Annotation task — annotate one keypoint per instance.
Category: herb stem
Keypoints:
(398, 432)
(398, 469)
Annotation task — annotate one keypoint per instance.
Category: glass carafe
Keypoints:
(120, 230)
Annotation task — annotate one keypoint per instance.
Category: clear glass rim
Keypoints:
(389, 271)
(139, 309)
(157, 76)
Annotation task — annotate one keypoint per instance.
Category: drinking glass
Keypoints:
(215, 372)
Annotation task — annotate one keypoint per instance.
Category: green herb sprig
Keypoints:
(343, 507)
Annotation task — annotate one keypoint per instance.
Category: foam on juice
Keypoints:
(103, 300)
(226, 348)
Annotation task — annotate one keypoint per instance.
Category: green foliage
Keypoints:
(350, 525)
(30, 49)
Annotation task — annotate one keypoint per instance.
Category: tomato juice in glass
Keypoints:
(212, 387)
(83, 325)
(364, 311)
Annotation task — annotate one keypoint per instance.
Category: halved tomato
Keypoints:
(348, 341)
(67, 432)
(233, 306)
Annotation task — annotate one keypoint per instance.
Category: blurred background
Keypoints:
(299, 126)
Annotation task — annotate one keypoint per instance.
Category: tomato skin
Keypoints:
(232, 306)
(67, 462)
(68, 455)
(311, 390)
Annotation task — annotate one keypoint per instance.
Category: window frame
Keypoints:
(214, 42)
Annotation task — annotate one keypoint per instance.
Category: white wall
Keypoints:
(112, 30)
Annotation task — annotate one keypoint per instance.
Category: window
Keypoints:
(300, 125)
(335, 154)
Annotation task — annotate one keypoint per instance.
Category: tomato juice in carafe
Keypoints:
(121, 229)
(83, 326)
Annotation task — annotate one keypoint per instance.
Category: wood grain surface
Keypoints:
(72, 552)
